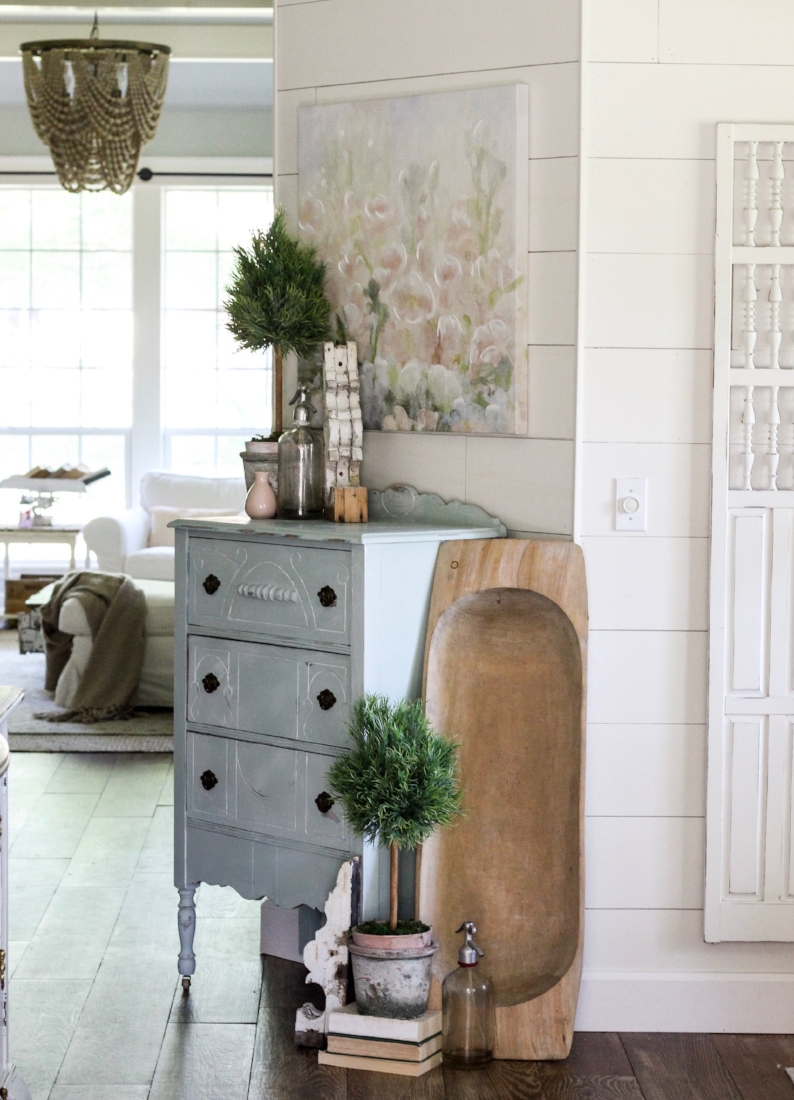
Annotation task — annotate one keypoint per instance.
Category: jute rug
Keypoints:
(149, 731)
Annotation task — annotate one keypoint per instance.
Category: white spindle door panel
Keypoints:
(745, 839)
(749, 844)
(749, 634)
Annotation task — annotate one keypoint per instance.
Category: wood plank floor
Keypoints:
(97, 1010)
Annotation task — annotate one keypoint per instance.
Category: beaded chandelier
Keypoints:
(95, 102)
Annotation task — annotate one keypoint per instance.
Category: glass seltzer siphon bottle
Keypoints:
(468, 1012)
(301, 464)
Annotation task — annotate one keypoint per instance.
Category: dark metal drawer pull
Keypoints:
(211, 584)
(211, 683)
(323, 802)
(209, 780)
(327, 596)
(326, 699)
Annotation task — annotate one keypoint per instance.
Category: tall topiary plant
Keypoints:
(397, 784)
(277, 299)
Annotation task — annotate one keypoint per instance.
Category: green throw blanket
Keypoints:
(116, 613)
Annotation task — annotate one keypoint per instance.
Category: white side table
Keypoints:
(12, 1087)
(62, 535)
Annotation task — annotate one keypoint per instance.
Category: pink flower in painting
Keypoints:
(378, 209)
(426, 420)
(391, 263)
(489, 343)
(412, 300)
(311, 215)
(352, 267)
(425, 259)
(461, 240)
(448, 271)
(450, 337)
(352, 204)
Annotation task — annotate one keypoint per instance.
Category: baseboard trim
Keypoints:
(632, 1001)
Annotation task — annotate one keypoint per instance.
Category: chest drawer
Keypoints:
(284, 591)
(276, 690)
(272, 791)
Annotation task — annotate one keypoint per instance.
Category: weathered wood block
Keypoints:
(348, 505)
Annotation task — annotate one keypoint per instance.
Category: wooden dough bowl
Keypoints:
(505, 666)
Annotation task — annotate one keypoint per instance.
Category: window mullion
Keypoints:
(146, 444)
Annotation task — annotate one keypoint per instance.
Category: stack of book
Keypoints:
(407, 1047)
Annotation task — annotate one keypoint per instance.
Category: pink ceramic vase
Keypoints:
(261, 500)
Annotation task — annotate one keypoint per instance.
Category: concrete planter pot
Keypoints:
(392, 982)
(260, 456)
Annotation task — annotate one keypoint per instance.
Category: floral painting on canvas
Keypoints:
(418, 207)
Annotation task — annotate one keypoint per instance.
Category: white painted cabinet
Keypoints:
(750, 855)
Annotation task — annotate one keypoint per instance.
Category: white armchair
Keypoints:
(138, 541)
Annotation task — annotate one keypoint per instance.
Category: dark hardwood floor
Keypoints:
(96, 1005)
(632, 1066)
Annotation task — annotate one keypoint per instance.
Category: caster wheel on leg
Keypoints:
(186, 985)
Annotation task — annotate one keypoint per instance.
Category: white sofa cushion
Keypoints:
(159, 607)
(160, 487)
(73, 620)
(112, 538)
(154, 563)
(163, 535)
(156, 685)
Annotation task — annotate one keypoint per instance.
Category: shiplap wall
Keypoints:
(660, 74)
(336, 50)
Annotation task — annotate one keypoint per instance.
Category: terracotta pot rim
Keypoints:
(259, 447)
(392, 942)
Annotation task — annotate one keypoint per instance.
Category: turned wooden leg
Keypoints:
(187, 930)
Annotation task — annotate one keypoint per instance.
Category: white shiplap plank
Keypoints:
(647, 677)
(528, 483)
(287, 196)
(656, 301)
(647, 583)
(711, 32)
(622, 30)
(644, 862)
(650, 205)
(323, 44)
(554, 204)
(552, 297)
(678, 486)
(647, 395)
(646, 771)
(669, 111)
(289, 104)
(429, 462)
(552, 392)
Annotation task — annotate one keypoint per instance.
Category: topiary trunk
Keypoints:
(278, 390)
(394, 865)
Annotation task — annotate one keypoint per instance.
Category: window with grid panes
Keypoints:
(65, 339)
(66, 324)
(215, 396)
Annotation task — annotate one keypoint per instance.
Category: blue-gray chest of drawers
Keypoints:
(279, 626)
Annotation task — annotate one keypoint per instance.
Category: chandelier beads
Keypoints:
(94, 103)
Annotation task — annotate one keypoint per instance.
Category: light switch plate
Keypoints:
(631, 504)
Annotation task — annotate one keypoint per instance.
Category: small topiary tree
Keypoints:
(397, 784)
(277, 299)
